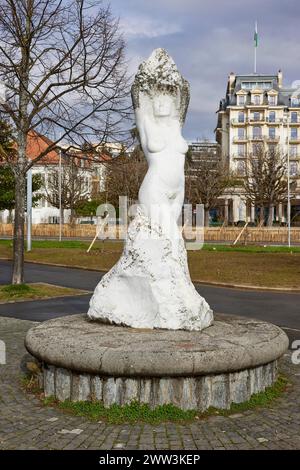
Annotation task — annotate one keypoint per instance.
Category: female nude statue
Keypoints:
(150, 286)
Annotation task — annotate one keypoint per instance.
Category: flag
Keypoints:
(255, 36)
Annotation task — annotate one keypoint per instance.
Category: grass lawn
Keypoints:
(264, 266)
(38, 290)
(136, 412)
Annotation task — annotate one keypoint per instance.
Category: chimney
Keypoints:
(280, 78)
(231, 80)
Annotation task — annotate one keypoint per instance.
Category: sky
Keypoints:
(208, 39)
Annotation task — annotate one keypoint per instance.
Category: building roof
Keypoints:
(263, 82)
(37, 143)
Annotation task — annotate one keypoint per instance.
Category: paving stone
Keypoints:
(25, 424)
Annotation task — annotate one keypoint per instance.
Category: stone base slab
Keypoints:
(200, 393)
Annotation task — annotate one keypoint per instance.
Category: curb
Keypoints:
(58, 296)
(286, 290)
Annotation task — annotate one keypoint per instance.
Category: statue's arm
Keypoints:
(140, 118)
(151, 141)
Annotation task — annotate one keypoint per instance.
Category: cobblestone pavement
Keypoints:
(26, 424)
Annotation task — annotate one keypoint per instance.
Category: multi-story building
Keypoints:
(258, 110)
(198, 148)
(202, 153)
(92, 174)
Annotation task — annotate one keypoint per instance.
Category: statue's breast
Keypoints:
(182, 145)
(173, 143)
(156, 145)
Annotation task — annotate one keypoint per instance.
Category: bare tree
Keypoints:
(62, 63)
(124, 175)
(74, 185)
(206, 179)
(265, 180)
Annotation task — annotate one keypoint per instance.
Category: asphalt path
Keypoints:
(281, 308)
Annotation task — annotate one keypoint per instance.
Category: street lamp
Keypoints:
(29, 208)
(287, 121)
(59, 197)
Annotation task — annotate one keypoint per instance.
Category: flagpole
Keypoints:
(255, 47)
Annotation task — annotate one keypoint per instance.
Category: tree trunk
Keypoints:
(72, 217)
(261, 215)
(18, 246)
(206, 217)
(270, 216)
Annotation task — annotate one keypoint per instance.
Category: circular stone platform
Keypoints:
(225, 363)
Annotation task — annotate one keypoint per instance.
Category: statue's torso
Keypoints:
(165, 154)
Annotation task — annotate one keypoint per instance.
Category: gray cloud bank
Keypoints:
(208, 39)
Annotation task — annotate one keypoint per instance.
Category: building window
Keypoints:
(272, 100)
(252, 85)
(53, 220)
(241, 168)
(293, 150)
(241, 150)
(256, 99)
(294, 116)
(257, 132)
(87, 184)
(295, 101)
(241, 100)
(256, 148)
(293, 169)
(246, 85)
(272, 132)
(256, 116)
(241, 133)
(241, 117)
(272, 149)
(294, 133)
(272, 116)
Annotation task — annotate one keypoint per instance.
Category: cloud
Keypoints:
(208, 39)
(140, 26)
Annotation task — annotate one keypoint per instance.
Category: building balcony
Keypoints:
(274, 122)
(240, 139)
(273, 138)
(261, 105)
(258, 138)
(253, 120)
(293, 140)
(241, 156)
(237, 122)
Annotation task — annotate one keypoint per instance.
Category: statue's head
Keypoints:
(159, 79)
(163, 104)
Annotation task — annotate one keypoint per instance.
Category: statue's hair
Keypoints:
(159, 73)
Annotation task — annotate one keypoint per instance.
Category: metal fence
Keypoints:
(252, 235)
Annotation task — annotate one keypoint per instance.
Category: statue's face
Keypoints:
(162, 105)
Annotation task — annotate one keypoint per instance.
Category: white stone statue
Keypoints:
(150, 286)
